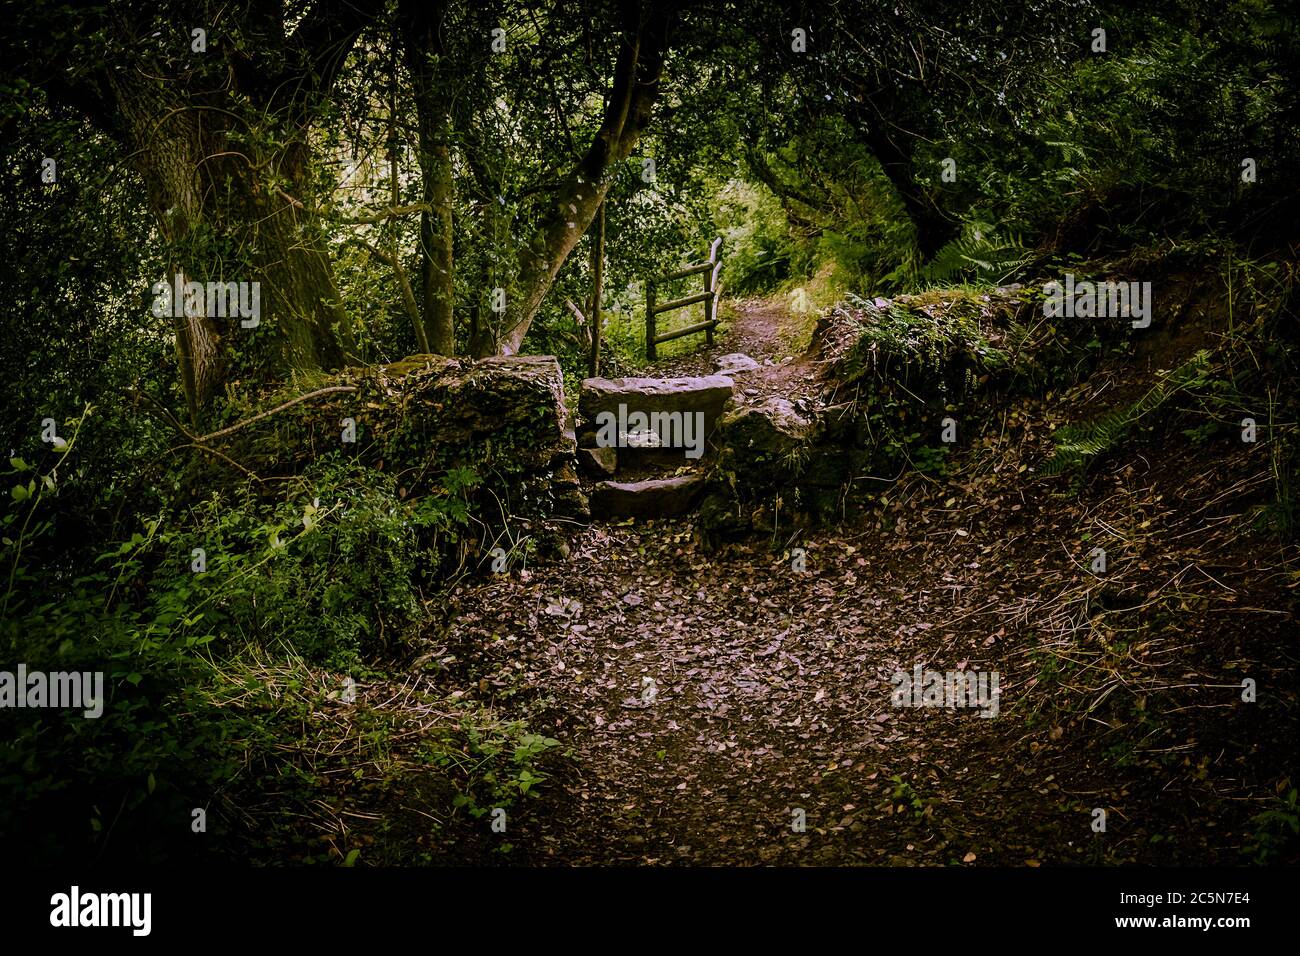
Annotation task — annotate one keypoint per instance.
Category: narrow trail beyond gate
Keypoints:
(720, 707)
(767, 333)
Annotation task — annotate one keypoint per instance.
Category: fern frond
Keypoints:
(1076, 445)
(979, 255)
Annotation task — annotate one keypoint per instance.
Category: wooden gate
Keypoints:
(711, 268)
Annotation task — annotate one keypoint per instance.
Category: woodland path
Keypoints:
(772, 687)
(766, 332)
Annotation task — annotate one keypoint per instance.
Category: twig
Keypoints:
(166, 415)
(224, 457)
(212, 436)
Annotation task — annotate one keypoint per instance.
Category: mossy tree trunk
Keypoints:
(423, 27)
(219, 137)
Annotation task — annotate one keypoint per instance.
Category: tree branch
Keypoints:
(323, 40)
(213, 436)
(637, 75)
(392, 212)
(409, 304)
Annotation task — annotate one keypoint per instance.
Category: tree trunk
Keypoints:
(436, 236)
(637, 76)
(220, 143)
(253, 213)
(933, 228)
(597, 290)
(422, 26)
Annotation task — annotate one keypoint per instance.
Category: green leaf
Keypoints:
(351, 858)
(17, 464)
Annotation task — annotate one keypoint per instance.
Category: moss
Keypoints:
(418, 419)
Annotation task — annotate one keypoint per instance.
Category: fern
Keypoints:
(976, 252)
(1079, 444)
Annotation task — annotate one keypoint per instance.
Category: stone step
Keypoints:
(621, 397)
(654, 423)
(598, 462)
(651, 498)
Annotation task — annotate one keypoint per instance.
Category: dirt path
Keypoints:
(704, 697)
(768, 695)
(767, 333)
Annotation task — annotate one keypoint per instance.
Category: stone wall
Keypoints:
(503, 417)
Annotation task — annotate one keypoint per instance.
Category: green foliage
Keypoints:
(1146, 133)
(929, 459)
(840, 211)
(939, 331)
(331, 572)
(905, 796)
(909, 363)
(976, 256)
(758, 250)
(1057, 147)
(1276, 836)
(504, 758)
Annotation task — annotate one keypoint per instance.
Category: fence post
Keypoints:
(650, 319)
(710, 285)
(708, 307)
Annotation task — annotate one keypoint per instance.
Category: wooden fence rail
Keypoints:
(712, 267)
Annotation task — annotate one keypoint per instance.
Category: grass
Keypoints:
(317, 764)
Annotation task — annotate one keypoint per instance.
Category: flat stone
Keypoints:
(706, 393)
(772, 426)
(598, 462)
(733, 363)
(652, 498)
